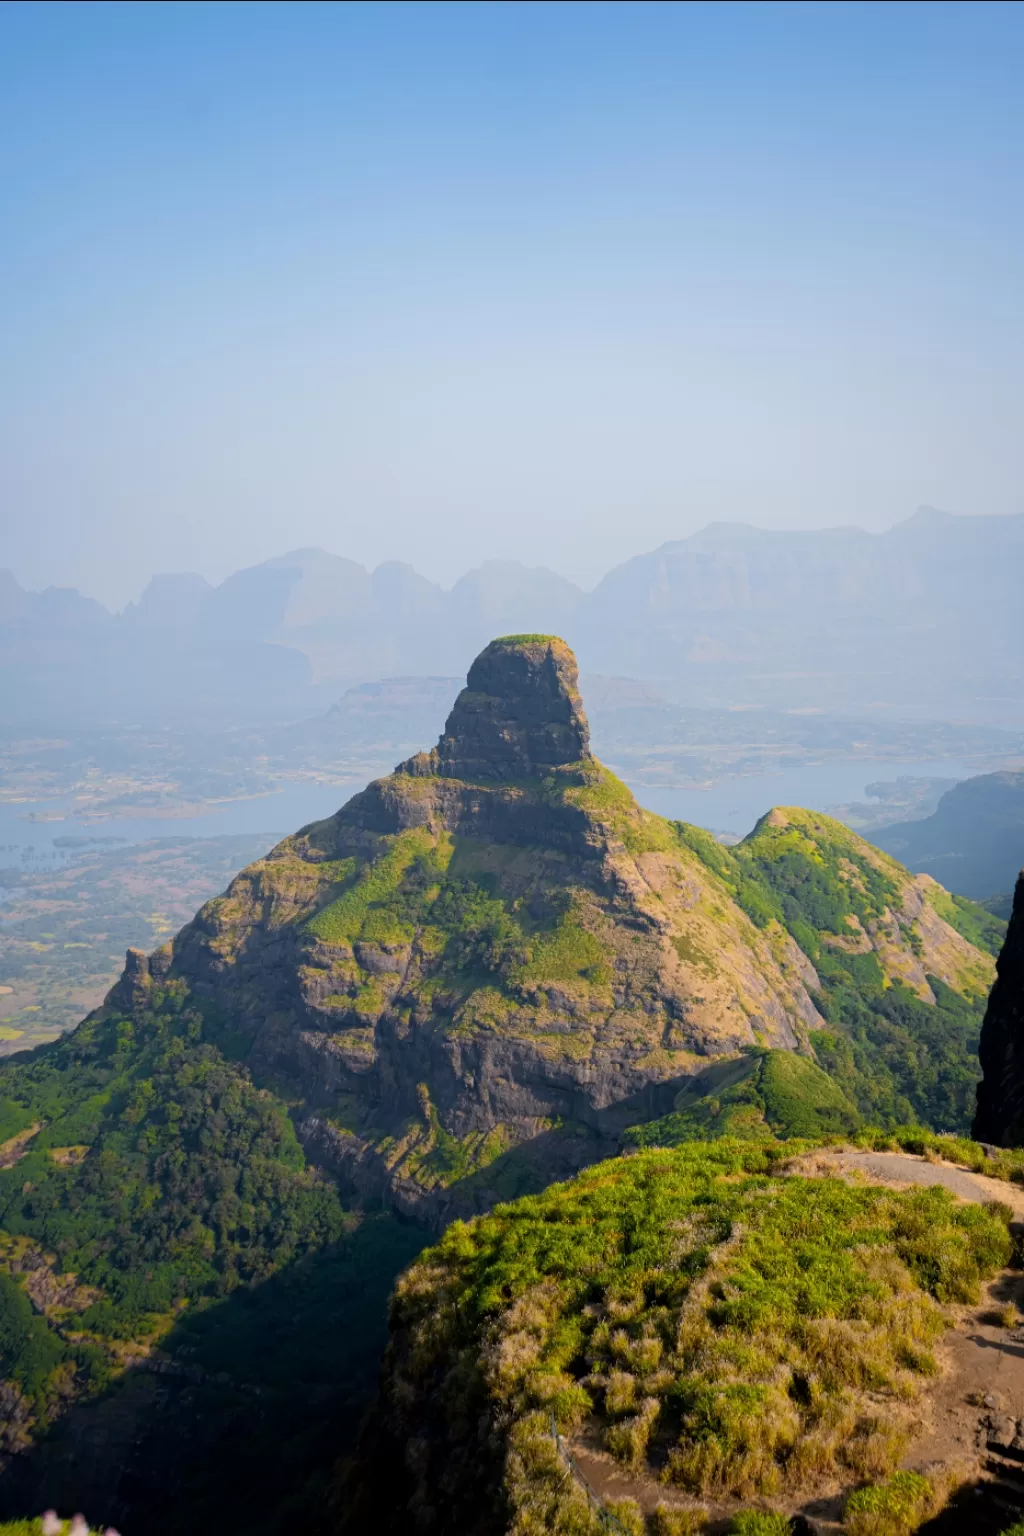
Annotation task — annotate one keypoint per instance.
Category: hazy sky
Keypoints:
(550, 282)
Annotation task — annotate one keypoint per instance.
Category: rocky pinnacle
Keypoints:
(519, 716)
(1000, 1114)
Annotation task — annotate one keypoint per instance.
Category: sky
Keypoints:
(447, 283)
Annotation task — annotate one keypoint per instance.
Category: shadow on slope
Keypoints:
(764, 1094)
(237, 1425)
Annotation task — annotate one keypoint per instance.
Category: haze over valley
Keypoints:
(511, 768)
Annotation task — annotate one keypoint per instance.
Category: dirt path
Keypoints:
(901, 1169)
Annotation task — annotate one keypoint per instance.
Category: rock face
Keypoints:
(488, 964)
(1000, 1116)
(519, 715)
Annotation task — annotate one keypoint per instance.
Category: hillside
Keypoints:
(903, 968)
(697, 1332)
(487, 965)
(973, 842)
(471, 981)
(762, 1095)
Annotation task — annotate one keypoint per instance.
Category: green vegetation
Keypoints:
(764, 1330)
(893, 1508)
(185, 1182)
(187, 1221)
(478, 936)
(970, 919)
(898, 1057)
(35, 1357)
(194, 1181)
(528, 640)
(756, 1522)
(597, 791)
(35, 1528)
(901, 1060)
(765, 1094)
(369, 900)
(565, 953)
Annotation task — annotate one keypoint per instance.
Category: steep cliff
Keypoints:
(487, 965)
(1000, 1116)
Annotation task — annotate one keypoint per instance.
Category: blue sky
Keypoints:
(546, 282)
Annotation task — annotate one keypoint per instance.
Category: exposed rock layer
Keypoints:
(519, 715)
(487, 965)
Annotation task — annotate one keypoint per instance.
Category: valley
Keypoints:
(490, 972)
(511, 768)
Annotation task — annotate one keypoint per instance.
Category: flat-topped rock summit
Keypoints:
(487, 965)
(519, 715)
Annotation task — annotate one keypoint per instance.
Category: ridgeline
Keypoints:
(487, 971)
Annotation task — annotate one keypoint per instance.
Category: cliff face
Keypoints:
(492, 944)
(1000, 1116)
(494, 957)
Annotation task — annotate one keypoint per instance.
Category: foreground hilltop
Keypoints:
(724, 1337)
(495, 948)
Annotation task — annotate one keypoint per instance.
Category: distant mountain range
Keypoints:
(920, 621)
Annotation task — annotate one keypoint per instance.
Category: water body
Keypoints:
(731, 805)
(23, 826)
(734, 804)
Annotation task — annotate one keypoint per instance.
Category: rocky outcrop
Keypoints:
(487, 965)
(1000, 1116)
(519, 715)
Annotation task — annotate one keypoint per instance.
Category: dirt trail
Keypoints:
(901, 1168)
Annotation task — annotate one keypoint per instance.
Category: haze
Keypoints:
(446, 283)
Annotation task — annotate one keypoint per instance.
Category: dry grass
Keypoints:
(670, 1520)
(767, 1332)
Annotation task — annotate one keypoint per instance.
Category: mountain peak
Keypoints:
(519, 715)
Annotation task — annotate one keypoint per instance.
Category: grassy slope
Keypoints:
(768, 1093)
(750, 1332)
(899, 1057)
(492, 929)
(162, 1181)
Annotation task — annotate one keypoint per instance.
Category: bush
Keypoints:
(670, 1520)
(894, 1508)
(756, 1522)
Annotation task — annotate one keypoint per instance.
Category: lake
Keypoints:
(732, 804)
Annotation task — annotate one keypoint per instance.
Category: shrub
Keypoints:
(670, 1520)
(758, 1522)
(628, 1515)
(773, 1325)
(894, 1508)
